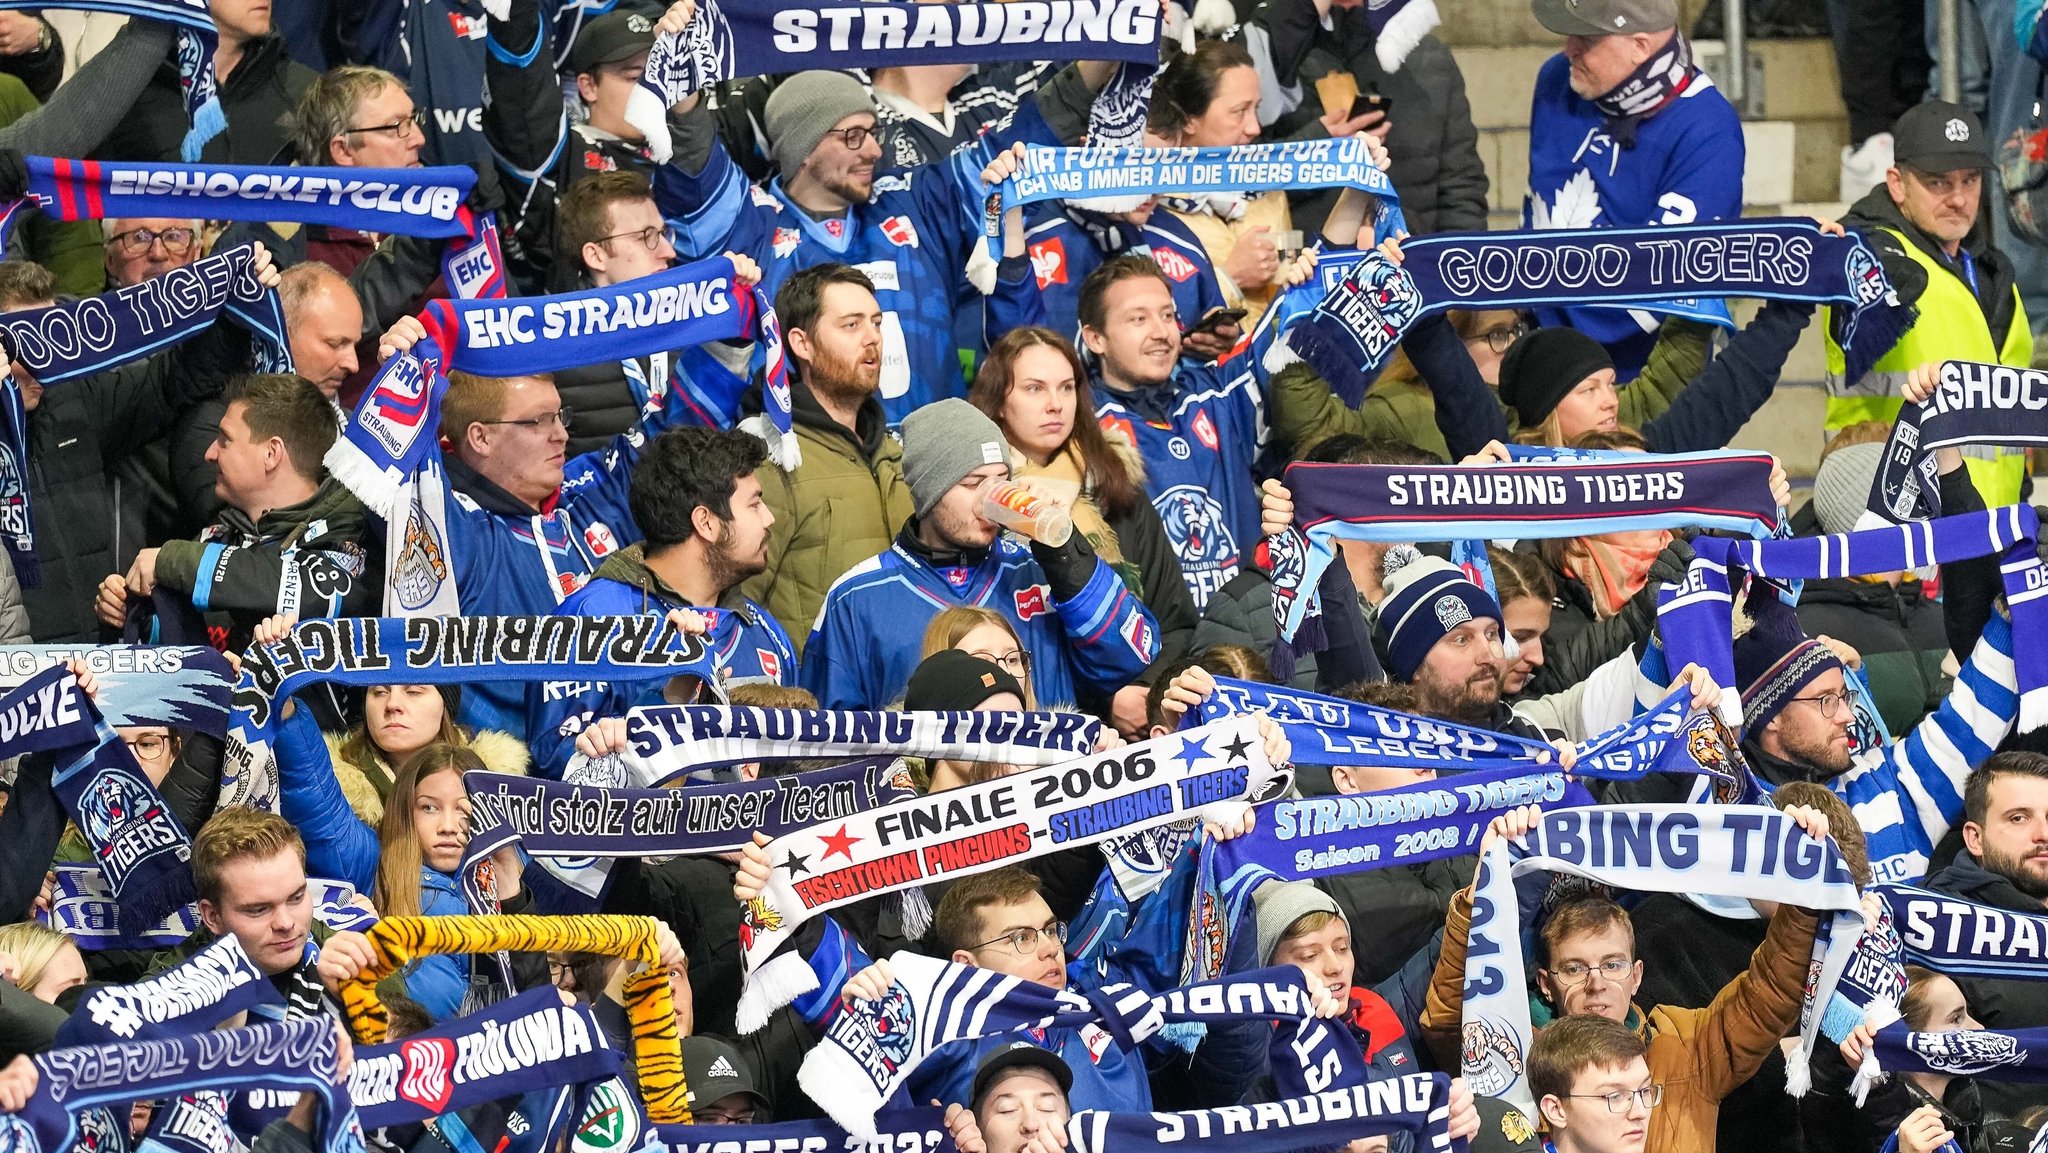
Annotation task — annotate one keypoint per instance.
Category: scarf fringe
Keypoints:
(208, 121)
(645, 113)
(1403, 33)
(824, 1076)
(1340, 366)
(777, 983)
(373, 484)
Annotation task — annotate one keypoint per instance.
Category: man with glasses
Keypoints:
(1593, 1086)
(140, 248)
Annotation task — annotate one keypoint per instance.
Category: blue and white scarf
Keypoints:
(923, 1130)
(1355, 326)
(1414, 1103)
(176, 686)
(1973, 403)
(194, 995)
(293, 1056)
(406, 201)
(81, 337)
(737, 38)
(363, 651)
(1750, 852)
(665, 743)
(1694, 617)
(83, 908)
(1398, 503)
(1994, 1054)
(197, 39)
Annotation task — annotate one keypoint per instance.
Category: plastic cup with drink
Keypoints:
(1015, 506)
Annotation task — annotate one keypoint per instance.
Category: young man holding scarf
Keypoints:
(1625, 131)
(250, 870)
(1590, 967)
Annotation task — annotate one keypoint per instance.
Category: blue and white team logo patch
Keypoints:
(1967, 1052)
(1201, 537)
(1866, 276)
(118, 814)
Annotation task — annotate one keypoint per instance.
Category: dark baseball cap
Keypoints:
(610, 38)
(954, 681)
(1019, 1055)
(714, 1070)
(1606, 17)
(1940, 137)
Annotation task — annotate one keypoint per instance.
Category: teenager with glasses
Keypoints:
(1593, 1086)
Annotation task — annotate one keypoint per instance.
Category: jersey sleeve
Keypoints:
(1111, 636)
(714, 210)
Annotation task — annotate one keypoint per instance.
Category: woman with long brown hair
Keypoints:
(1032, 384)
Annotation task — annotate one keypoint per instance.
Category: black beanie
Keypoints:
(1544, 367)
(953, 681)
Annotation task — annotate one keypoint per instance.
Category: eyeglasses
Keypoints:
(1016, 662)
(1024, 942)
(650, 237)
(742, 1116)
(416, 119)
(1574, 973)
(176, 241)
(149, 746)
(561, 416)
(855, 136)
(1828, 702)
(1500, 336)
(1618, 1101)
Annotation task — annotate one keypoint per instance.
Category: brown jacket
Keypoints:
(1698, 1055)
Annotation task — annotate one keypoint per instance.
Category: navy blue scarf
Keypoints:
(197, 40)
(81, 337)
(1353, 330)
(176, 686)
(923, 1130)
(1973, 403)
(1416, 1103)
(17, 520)
(194, 995)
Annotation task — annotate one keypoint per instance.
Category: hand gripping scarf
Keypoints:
(985, 826)
(1351, 332)
(1973, 403)
(289, 1057)
(650, 1008)
(1402, 503)
(435, 651)
(737, 38)
(137, 844)
(81, 337)
(197, 40)
(575, 830)
(1751, 852)
(922, 1130)
(666, 742)
(870, 1048)
(1694, 617)
(1414, 1103)
(176, 686)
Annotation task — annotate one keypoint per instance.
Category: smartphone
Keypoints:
(1366, 102)
(1218, 319)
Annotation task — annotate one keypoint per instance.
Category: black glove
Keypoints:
(13, 174)
(1671, 564)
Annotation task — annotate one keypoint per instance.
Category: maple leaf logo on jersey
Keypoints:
(1577, 204)
(900, 231)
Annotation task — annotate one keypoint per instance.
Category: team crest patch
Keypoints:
(900, 231)
(1173, 264)
(1490, 1060)
(786, 240)
(1967, 1052)
(1514, 1125)
(1049, 261)
(611, 1120)
(1451, 611)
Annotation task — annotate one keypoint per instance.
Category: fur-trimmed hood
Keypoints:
(500, 753)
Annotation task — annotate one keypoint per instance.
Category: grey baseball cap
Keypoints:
(1606, 17)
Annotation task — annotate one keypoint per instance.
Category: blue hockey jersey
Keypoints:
(1063, 253)
(866, 643)
(913, 238)
(1686, 166)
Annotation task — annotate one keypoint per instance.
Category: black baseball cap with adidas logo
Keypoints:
(714, 1070)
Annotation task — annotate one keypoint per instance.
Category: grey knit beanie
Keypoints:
(943, 442)
(803, 108)
(1278, 904)
(1841, 486)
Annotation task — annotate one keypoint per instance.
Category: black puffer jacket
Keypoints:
(258, 98)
